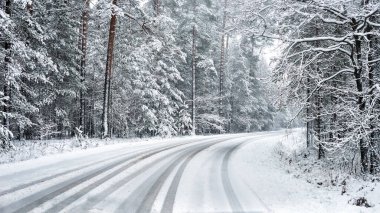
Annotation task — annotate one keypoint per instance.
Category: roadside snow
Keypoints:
(256, 172)
(32, 149)
(332, 188)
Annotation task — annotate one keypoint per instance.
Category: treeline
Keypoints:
(330, 65)
(126, 68)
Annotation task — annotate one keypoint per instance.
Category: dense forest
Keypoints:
(134, 68)
(108, 68)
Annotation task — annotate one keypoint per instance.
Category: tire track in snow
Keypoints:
(53, 191)
(232, 197)
(147, 204)
(61, 205)
(152, 189)
(172, 192)
(229, 191)
(51, 177)
(168, 204)
(87, 206)
(28, 171)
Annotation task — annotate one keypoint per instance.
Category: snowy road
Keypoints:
(229, 173)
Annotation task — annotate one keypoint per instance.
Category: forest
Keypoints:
(143, 68)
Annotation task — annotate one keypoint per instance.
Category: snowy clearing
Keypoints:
(224, 173)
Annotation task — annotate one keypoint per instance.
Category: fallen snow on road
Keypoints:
(224, 173)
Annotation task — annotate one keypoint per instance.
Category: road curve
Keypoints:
(185, 176)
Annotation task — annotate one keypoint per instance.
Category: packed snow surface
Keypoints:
(223, 173)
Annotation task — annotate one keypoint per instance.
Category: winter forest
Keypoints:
(144, 68)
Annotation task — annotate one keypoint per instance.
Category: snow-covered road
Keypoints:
(228, 173)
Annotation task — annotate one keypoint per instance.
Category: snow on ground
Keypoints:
(337, 190)
(32, 149)
(228, 173)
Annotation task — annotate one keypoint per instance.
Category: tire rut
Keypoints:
(26, 185)
(53, 191)
(147, 204)
(172, 192)
(233, 200)
(168, 204)
(95, 200)
(61, 205)
(229, 191)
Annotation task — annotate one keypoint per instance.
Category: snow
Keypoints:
(324, 184)
(32, 149)
(224, 173)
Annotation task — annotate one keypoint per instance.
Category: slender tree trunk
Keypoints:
(319, 99)
(356, 58)
(92, 117)
(193, 83)
(321, 151)
(110, 111)
(334, 117)
(7, 60)
(371, 84)
(222, 60)
(83, 48)
(309, 136)
(108, 72)
(228, 126)
(4, 142)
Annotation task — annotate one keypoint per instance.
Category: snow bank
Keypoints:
(304, 165)
(31, 149)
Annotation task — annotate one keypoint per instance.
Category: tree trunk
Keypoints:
(193, 83)
(356, 58)
(108, 72)
(83, 48)
(371, 83)
(228, 115)
(7, 60)
(4, 143)
(110, 111)
(222, 60)
(309, 137)
(321, 151)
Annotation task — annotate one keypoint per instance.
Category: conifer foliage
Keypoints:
(125, 68)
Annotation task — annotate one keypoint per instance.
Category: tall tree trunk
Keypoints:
(309, 135)
(4, 142)
(193, 83)
(356, 57)
(110, 111)
(321, 151)
(222, 59)
(319, 99)
(228, 115)
(7, 60)
(83, 48)
(371, 83)
(108, 72)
